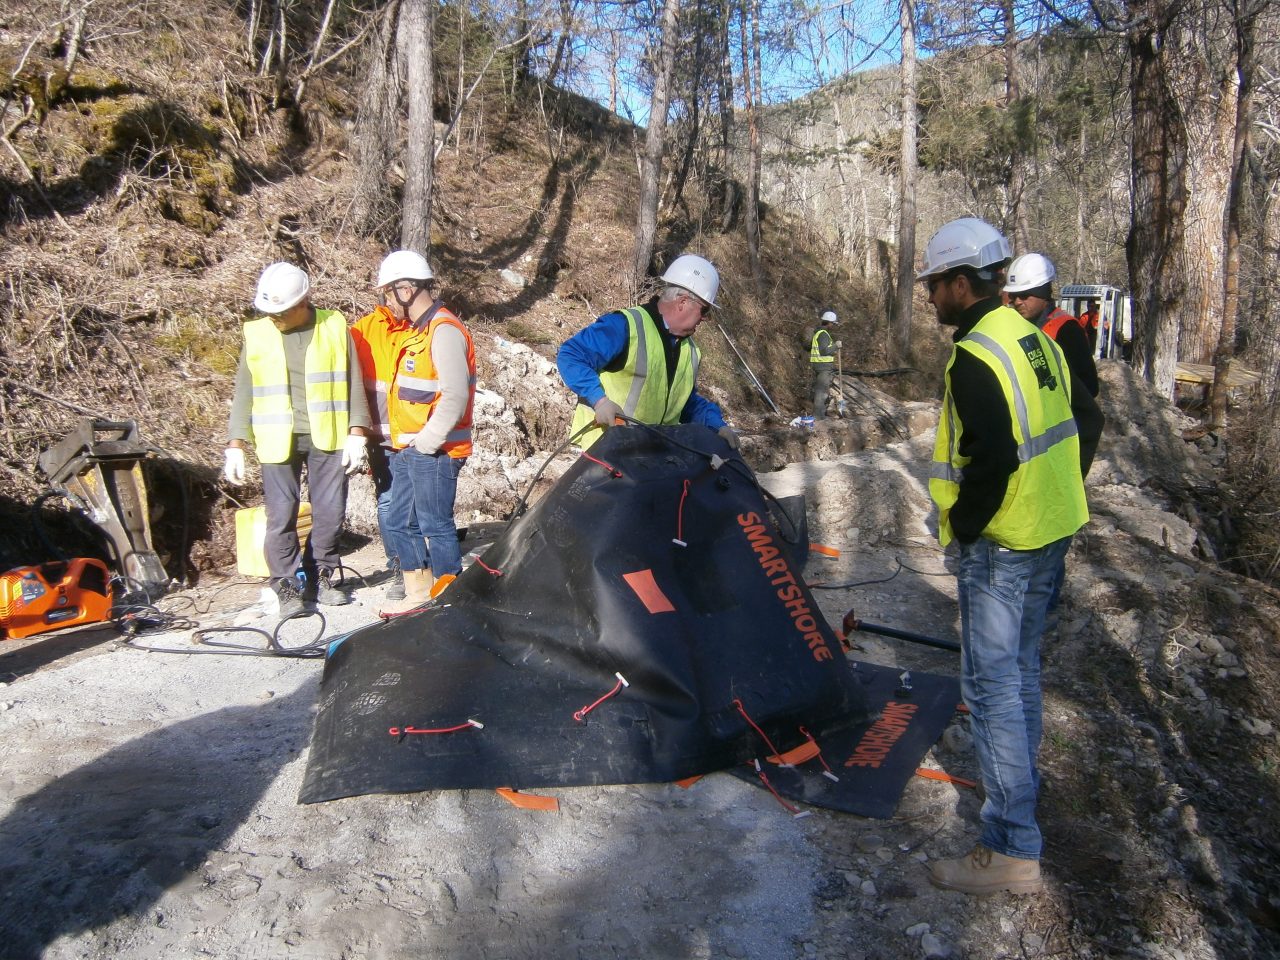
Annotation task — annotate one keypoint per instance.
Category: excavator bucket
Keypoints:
(98, 467)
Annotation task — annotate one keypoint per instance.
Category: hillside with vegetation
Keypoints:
(154, 157)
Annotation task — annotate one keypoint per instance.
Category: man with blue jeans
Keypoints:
(1008, 481)
(430, 404)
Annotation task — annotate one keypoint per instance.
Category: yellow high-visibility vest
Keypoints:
(1045, 499)
(327, 386)
(640, 387)
(814, 355)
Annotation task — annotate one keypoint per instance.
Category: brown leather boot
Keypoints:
(984, 871)
(417, 591)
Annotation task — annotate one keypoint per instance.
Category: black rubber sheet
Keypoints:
(873, 761)
(653, 558)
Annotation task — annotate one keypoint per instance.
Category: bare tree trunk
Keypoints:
(900, 311)
(373, 144)
(1159, 198)
(694, 99)
(417, 29)
(1021, 228)
(1082, 219)
(1243, 96)
(726, 118)
(655, 135)
(750, 89)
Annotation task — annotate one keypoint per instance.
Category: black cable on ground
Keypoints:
(313, 649)
(856, 583)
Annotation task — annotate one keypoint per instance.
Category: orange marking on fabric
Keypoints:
(647, 589)
(944, 777)
(528, 801)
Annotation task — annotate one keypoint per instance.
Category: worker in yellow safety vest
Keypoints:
(641, 362)
(294, 401)
(1008, 482)
(823, 348)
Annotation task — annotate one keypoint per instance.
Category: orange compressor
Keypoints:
(53, 595)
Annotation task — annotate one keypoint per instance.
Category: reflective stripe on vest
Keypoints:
(1044, 500)
(640, 387)
(815, 356)
(415, 392)
(326, 386)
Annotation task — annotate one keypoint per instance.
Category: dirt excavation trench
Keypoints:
(148, 800)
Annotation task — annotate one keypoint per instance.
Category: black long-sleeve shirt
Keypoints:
(987, 437)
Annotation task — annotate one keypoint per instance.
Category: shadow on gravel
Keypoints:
(106, 840)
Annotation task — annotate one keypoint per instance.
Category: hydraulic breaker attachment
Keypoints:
(98, 467)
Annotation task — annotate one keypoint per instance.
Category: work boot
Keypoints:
(288, 596)
(395, 585)
(327, 594)
(983, 871)
(417, 591)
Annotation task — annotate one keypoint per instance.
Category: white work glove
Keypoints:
(839, 344)
(729, 437)
(607, 412)
(355, 454)
(233, 468)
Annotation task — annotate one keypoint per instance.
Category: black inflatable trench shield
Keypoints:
(653, 558)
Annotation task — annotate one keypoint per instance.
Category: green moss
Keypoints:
(195, 338)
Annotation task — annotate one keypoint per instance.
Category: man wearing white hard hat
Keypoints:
(295, 404)
(430, 405)
(601, 362)
(404, 278)
(1008, 483)
(822, 360)
(1029, 288)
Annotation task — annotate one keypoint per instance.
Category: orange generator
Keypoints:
(53, 595)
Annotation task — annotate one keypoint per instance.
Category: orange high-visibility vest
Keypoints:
(377, 337)
(416, 389)
(1053, 323)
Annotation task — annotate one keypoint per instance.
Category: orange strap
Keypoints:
(825, 551)
(688, 782)
(806, 751)
(528, 801)
(944, 777)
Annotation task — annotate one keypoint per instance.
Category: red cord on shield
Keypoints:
(613, 471)
(679, 539)
(622, 682)
(488, 569)
(401, 731)
(826, 770)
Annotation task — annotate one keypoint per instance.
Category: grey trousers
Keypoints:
(281, 491)
(823, 373)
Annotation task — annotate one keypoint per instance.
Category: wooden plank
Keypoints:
(1202, 373)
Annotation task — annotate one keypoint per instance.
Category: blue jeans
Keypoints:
(423, 489)
(1003, 596)
(381, 466)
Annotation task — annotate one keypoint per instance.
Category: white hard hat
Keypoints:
(967, 242)
(404, 265)
(1029, 271)
(280, 287)
(696, 275)
(829, 317)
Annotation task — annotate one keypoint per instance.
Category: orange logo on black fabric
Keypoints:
(878, 742)
(775, 567)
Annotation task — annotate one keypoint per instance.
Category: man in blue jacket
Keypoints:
(641, 362)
